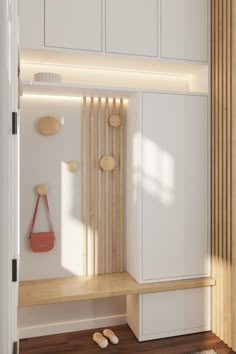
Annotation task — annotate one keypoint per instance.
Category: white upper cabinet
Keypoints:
(167, 29)
(184, 29)
(131, 27)
(175, 240)
(73, 24)
(31, 24)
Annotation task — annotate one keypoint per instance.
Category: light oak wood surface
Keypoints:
(107, 199)
(84, 187)
(222, 105)
(99, 186)
(48, 125)
(121, 204)
(114, 195)
(72, 166)
(92, 191)
(107, 163)
(42, 189)
(40, 292)
(232, 141)
(115, 120)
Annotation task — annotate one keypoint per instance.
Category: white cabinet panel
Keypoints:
(175, 186)
(131, 27)
(169, 313)
(75, 24)
(31, 24)
(184, 29)
(176, 312)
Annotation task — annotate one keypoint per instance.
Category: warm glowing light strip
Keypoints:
(183, 76)
(32, 95)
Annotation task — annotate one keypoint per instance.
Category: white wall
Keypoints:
(43, 160)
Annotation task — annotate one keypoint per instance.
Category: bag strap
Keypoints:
(49, 215)
(35, 213)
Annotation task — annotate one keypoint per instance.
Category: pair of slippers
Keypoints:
(101, 338)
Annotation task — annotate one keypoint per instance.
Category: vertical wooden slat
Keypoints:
(224, 171)
(233, 172)
(216, 88)
(92, 189)
(223, 321)
(84, 186)
(213, 243)
(114, 194)
(121, 248)
(107, 200)
(99, 185)
(229, 171)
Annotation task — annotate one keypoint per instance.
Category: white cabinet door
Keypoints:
(131, 27)
(169, 313)
(184, 29)
(31, 24)
(175, 186)
(74, 24)
(176, 312)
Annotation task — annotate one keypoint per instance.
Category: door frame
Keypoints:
(9, 176)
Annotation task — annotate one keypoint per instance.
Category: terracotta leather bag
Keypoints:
(42, 241)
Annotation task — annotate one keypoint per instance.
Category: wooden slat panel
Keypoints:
(107, 200)
(50, 291)
(121, 250)
(92, 191)
(84, 186)
(99, 185)
(233, 176)
(217, 160)
(223, 322)
(220, 171)
(114, 195)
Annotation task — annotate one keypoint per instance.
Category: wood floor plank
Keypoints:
(81, 343)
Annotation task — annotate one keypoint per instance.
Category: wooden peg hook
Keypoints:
(42, 189)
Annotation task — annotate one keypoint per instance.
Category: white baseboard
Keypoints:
(66, 327)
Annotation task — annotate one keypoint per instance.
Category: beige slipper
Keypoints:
(111, 336)
(101, 341)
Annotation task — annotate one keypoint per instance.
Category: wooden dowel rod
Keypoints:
(92, 189)
(121, 250)
(84, 186)
(114, 195)
(107, 200)
(99, 186)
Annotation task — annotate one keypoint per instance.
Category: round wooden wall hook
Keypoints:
(42, 189)
(115, 121)
(48, 125)
(107, 163)
(72, 165)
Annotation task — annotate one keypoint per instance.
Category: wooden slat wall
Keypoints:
(221, 126)
(103, 195)
(232, 156)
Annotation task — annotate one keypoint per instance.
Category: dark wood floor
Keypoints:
(81, 343)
